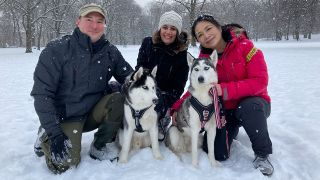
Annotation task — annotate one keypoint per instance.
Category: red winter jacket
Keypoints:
(242, 72)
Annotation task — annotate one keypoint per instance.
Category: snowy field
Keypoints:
(293, 126)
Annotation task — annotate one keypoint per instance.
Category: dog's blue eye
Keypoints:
(206, 68)
(196, 69)
(145, 87)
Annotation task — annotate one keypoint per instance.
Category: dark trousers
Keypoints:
(251, 114)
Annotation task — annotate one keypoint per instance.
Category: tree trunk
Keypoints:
(16, 28)
(20, 36)
(28, 29)
(278, 35)
(14, 33)
(39, 37)
(192, 18)
(296, 34)
(28, 35)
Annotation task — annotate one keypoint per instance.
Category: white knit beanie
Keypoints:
(171, 18)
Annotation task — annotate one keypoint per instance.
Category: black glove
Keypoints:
(114, 86)
(60, 148)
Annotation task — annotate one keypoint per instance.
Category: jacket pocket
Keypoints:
(238, 69)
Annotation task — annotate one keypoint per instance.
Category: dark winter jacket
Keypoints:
(72, 75)
(172, 73)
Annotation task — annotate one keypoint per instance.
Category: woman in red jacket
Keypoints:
(242, 83)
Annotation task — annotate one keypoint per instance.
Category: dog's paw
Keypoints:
(122, 160)
(158, 156)
(215, 163)
(195, 164)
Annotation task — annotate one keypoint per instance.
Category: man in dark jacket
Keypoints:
(72, 95)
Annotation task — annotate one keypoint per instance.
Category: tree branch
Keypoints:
(202, 5)
(43, 15)
(2, 2)
(20, 6)
(184, 4)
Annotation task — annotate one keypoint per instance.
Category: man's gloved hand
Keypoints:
(114, 86)
(60, 148)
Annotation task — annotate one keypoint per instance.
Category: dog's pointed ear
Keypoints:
(154, 71)
(138, 74)
(214, 58)
(190, 59)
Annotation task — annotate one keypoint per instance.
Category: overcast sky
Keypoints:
(143, 2)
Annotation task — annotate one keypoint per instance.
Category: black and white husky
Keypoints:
(196, 113)
(140, 119)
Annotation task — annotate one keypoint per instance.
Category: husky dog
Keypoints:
(196, 113)
(140, 119)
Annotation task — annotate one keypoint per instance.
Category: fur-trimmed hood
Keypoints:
(232, 32)
(180, 44)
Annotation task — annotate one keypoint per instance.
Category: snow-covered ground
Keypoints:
(293, 125)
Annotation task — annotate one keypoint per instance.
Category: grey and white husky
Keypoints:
(140, 119)
(196, 112)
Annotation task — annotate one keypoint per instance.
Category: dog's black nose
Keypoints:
(155, 101)
(200, 79)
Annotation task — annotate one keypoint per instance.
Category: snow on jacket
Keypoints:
(173, 69)
(242, 71)
(72, 75)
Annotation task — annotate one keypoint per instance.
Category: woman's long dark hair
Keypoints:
(181, 39)
(226, 34)
(201, 18)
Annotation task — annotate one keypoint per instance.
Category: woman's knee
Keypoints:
(252, 106)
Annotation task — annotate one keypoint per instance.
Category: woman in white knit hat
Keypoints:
(166, 49)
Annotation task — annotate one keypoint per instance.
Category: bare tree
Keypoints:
(27, 7)
(311, 16)
(61, 8)
(2, 2)
(122, 21)
(128, 23)
(133, 22)
(277, 13)
(32, 14)
(13, 15)
(193, 7)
